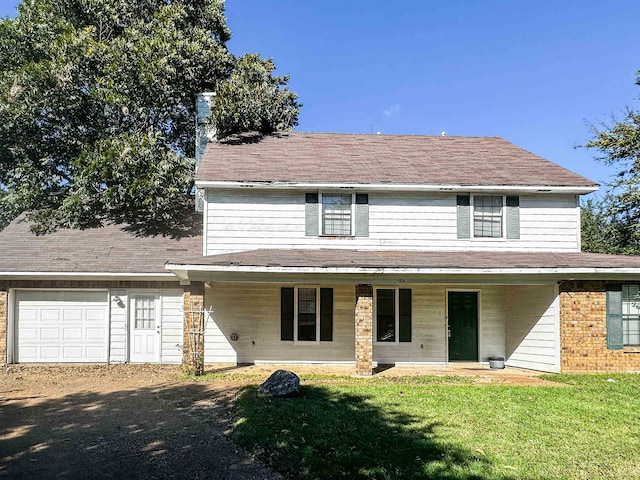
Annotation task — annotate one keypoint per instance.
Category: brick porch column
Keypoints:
(193, 329)
(364, 330)
(3, 327)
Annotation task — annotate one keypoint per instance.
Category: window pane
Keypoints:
(336, 214)
(631, 314)
(145, 313)
(487, 216)
(307, 314)
(385, 315)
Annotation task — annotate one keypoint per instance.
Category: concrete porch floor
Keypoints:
(480, 372)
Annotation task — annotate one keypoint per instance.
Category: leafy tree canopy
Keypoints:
(97, 107)
(619, 145)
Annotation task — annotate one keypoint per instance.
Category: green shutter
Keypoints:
(286, 314)
(513, 217)
(404, 312)
(362, 215)
(311, 212)
(326, 314)
(614, 317)
(464, 216)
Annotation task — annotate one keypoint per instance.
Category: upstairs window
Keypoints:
(336, 214)
(487, 216)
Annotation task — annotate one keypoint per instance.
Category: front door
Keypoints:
(463, 325)
(145, 329)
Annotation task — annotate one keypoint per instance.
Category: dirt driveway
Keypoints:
(121, 421)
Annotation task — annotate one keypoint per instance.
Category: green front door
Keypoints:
(463, 326)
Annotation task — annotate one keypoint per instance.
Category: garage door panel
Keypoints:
(57, 326)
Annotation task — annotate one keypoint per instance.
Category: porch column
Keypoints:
(3, 327)
(193, 329)
(364, 330)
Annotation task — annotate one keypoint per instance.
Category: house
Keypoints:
(337, 249)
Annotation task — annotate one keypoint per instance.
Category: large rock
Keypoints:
(282, 383)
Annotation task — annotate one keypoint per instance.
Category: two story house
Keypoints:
(338, 249)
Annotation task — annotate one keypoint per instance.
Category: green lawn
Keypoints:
(366, 429)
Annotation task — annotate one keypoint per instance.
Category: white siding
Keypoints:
(172, 322)
(252, 311)
(119, 332)
(532, 340)
(240, 220)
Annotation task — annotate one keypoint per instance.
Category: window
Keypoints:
(487, 216)
(306, 314)
(631, 315)
(393, 314)
(145, 313)
(336, 214)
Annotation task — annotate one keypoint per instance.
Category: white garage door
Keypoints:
(57, 326)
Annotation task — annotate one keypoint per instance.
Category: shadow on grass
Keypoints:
(170, 431)
(335, 433)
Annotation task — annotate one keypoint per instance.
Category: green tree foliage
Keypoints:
(97, 106)
(605, 231)
(619, 145)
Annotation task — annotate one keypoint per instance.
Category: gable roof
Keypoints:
(111, 249)
(388, 159)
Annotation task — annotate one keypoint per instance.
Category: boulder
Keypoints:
(282, 383)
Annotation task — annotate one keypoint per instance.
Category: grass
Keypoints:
(388, 429)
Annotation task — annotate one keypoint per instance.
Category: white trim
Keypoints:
(503, 217)
(478, 323)
(85, 275)
(419, 187)
(578, 222)
(205, 222)
(184, 269)
(134, 294)
(556, 324)
(11, 305)
(352, 217)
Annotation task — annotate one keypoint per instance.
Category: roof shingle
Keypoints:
(373, 159)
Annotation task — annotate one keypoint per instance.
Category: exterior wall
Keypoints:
(252, 311)
(171, 314)
(583, 331)
(532, 337)
(238, 220)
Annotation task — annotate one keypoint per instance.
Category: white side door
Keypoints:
(144, 327)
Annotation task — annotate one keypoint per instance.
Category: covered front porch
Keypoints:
(443, 324)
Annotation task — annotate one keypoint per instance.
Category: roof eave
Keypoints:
(569, 189)
(111, 276)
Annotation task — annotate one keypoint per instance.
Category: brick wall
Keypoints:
(193, 341)
(583, 331)
(3, 327)
(364, 330)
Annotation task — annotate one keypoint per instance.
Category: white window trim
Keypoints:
(503, 235)
(295, 315)
(396, 304)
(321, 214)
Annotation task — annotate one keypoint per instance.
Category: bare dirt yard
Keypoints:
(117, 421)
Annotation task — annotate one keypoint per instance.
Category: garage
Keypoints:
(61, 326)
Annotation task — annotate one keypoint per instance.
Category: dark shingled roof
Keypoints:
(334, 258)
(394, 159)
(110, 249)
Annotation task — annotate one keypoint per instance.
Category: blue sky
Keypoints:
(537, 73)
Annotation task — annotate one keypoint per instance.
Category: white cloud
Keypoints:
(392, 110)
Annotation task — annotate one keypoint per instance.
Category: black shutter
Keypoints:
(362, 215)
(326, 314)
(286, 314)
(311, 213)
(404, 312)
(463, 206)
(615, 339)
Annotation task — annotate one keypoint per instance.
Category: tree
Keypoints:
(619, 145)
(603, 231)
(97, 107)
